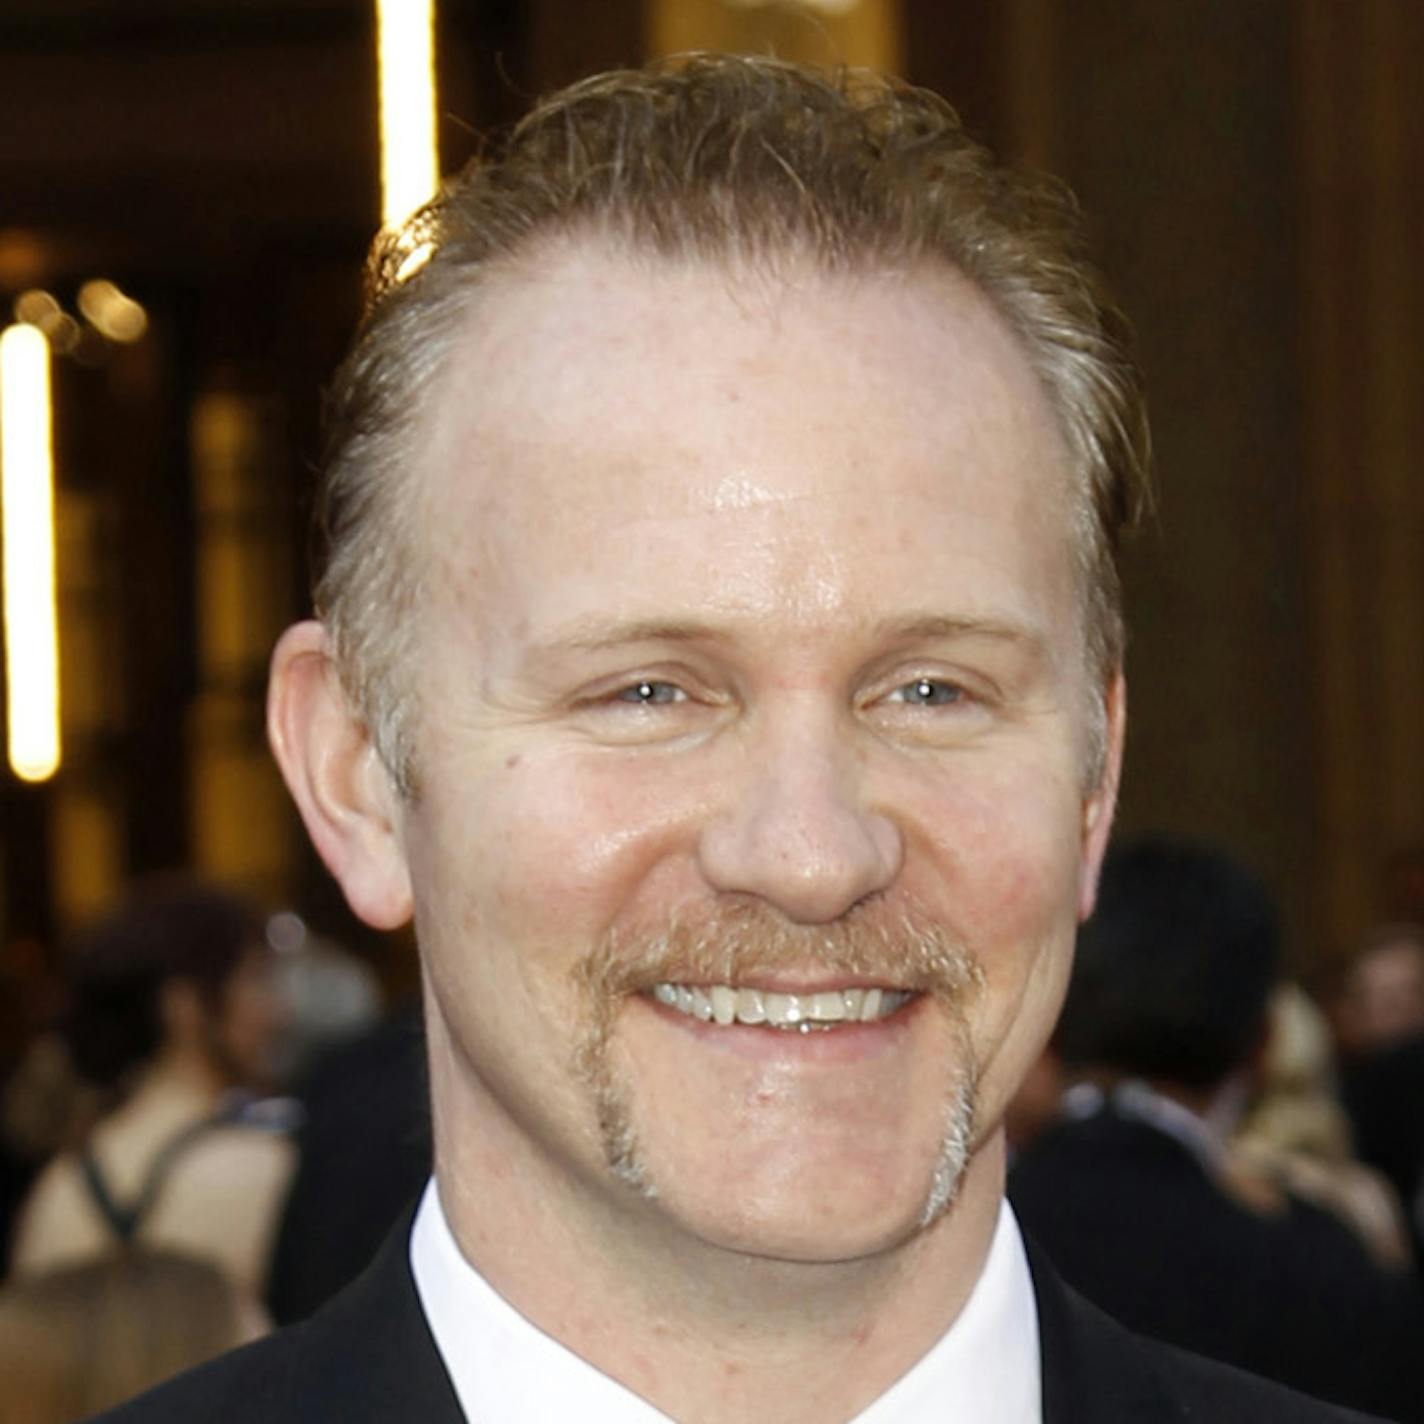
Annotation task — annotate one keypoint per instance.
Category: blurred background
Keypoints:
(187, 188)
(187, 192)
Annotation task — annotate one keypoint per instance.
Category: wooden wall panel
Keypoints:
(1361, 148)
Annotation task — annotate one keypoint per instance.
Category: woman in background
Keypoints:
(1296, 1135)
(175, 1014)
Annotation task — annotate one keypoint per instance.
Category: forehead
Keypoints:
(597, 394)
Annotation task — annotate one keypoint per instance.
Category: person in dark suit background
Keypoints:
(363, 1152)
(1384, 1092)
(719, 655)
(1135, 1185)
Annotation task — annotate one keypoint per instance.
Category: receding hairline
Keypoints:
(748, 276)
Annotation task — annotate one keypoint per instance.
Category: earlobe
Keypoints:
(1099, 807)
(342, 789)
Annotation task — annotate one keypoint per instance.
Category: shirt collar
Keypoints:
(1136, 1101)
(503, 1367)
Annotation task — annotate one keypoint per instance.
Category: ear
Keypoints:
(342, 788)
(1098, 808)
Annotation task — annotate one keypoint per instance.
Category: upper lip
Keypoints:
(791, 982)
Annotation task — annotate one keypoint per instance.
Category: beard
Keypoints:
(739, 940)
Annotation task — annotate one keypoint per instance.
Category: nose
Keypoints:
(794, 828)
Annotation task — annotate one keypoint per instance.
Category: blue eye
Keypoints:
(929, 692)
(651, 694)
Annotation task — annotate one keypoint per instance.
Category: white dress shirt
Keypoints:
(505, 1370)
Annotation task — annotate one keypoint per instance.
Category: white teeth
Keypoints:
(782, 1009)
(722, 1004)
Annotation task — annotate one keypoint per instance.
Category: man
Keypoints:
(1162, 1036)
(719, 657)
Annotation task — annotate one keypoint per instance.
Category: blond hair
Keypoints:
(715, 158)
(80, 1339)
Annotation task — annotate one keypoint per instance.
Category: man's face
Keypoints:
(750, 667)
(1385, 1002)
(249, 1019)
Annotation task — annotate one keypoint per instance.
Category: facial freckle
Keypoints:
(511, 762)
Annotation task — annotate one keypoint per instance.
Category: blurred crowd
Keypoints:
(162, 1123)
(209, 1119)
(1219, 1158)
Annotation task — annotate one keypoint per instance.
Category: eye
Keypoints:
(650, 693)
(928, 692)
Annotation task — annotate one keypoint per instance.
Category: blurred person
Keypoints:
(719, 657)
(81, 1338)
(1296, 1132)
(174, 1014)
(1381, 996)
(41, 1099)
(329, 996)
(45, 1107)
(1134, 1192)
(1384, 1093)
(363, 1155)
(1379, 1020)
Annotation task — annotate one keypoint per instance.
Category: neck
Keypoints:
(707, 1334)
(184, 1080)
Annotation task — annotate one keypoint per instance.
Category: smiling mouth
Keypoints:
(805, 1013)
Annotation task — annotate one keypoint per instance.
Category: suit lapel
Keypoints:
(1094, 1371)
(368, 1357)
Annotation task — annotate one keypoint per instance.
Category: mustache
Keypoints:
(732, 941)
(735, 941)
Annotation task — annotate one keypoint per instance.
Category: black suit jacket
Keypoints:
(368, 1358)
(1385, 1098)
(1132, 1219)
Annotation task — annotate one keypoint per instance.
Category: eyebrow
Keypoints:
(594, 634)
(934, 625)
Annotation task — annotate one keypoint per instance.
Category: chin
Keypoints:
(816, 1208)
(803, 1232)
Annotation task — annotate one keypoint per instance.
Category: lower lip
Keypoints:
(846, 1043)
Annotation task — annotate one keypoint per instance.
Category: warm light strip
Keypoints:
(27, 509)
(405, 58)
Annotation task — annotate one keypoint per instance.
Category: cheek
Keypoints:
(998, 864)
(561, 841)
(1000, 858)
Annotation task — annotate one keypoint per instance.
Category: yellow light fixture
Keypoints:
(824, 7)
(27, 509)
(108, 310)
(36, 307)
(405, 60)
